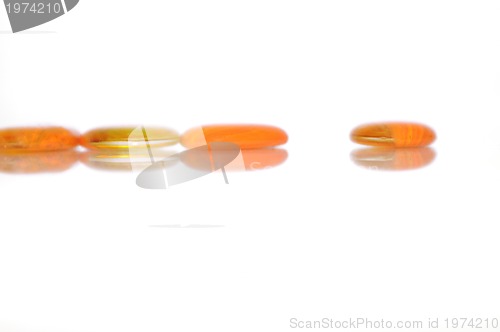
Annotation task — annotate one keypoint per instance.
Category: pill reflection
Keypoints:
(37, 162)
(253, 159)
(393, 159)
(122, 160)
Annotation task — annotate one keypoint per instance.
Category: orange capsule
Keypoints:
(37, 139)
(393, 159)
(246, 136)
(393, 134)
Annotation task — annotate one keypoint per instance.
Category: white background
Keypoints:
(315, 237)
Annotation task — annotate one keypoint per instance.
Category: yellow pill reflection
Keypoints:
(122, 160)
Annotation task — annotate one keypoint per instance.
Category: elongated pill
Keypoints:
(129, 137)
(37, 139)
(393, 134)
(245, 136)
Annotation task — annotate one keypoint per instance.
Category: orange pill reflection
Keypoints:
(37, 139)
(253, 159)
(393, 159)
(246, 136)
(393, 134)
(37, 162)
(259, 159)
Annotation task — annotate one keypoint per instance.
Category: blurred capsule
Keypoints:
(393, 159)
(393, 134)
(245, 136)
(37, 139)
(129, 137)
(38, 162)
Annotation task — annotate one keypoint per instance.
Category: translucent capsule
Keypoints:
(37, 139)
(245, 136)
(129, 137)
(393, 134)
(393, 159)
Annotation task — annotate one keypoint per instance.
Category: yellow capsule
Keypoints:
(393, 159)
(129, 137)
(393, 134)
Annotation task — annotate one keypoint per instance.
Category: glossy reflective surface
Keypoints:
(123, 160)
(37, 162)
(393, 159)
(253, 159)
